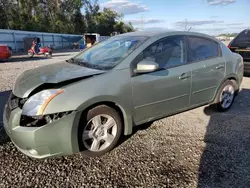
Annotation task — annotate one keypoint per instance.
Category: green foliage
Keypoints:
(60, 16)
(229, 34)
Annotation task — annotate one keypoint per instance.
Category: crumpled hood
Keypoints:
(53, 73)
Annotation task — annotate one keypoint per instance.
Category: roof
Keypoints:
(164, 33)
(147, 33)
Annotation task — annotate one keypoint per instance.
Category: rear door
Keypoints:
(208, 68)
(241, 44)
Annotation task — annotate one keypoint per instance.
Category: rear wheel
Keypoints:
(226, 95)
(99, 131)
(50, 54)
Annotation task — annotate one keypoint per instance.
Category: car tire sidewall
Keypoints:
(103, 109)
(30, 54)
(217, 101)
(3, 136)
(50, 54)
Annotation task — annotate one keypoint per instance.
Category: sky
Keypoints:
(208, 16)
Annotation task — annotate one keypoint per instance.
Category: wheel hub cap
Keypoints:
(99, 133)
(227, 96)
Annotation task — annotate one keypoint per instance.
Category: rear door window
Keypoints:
(201, 49)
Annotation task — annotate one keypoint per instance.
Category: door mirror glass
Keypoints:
(145, 66)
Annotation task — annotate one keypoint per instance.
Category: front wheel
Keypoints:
(99, 131)
(30, 54)
(226, 95)
(48, 55)
(3, 136)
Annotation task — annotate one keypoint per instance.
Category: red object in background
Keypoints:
(46, 51)
(5, 52)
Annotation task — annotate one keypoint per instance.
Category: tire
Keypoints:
(107, 114)
(30, 54)
(3, 136)
(219, 98)
(50, 54)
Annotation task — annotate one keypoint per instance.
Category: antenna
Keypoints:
(189, 29)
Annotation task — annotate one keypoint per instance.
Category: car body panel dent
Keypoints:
(50, 74)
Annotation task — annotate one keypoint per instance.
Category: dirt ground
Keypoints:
(198, 148)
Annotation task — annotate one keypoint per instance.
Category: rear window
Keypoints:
(201, 49)
(242, 38)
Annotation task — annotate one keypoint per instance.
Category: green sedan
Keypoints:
(87, 103)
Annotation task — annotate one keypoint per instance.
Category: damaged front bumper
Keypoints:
(57, 138)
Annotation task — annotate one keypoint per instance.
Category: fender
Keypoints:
(127, 116)
(228, 77)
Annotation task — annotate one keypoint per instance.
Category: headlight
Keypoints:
(36, 105)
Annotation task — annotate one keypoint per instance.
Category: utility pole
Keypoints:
(186, 25)
(142, 22)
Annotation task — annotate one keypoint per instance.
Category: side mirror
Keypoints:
(146, 66)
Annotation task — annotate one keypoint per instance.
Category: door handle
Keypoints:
(220, 67)
(184, 76)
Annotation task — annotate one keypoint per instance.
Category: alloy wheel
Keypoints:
(99, 133)
(227, 96)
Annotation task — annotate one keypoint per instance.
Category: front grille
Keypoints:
(38, 121)
(15, 102)
(7, 111)
(32, 121)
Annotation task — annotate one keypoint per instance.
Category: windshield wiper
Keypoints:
(71, 60)
(80, 63)
(83, 63)
(92, 66)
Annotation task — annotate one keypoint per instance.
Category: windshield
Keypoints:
(108, 53)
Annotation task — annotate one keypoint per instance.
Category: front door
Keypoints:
(208, 69)
(166, 91)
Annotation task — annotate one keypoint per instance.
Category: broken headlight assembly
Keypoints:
(36, 104)
(33, 109)
(38, 121)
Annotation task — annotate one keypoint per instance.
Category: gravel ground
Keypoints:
(198, 148)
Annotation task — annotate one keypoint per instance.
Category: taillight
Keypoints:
(229, 46)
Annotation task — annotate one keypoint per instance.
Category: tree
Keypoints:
(4, 14)
(91, 9)
(123, 28)
(79, 22)
(60, 16)
(229, 34)
(105, 21)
